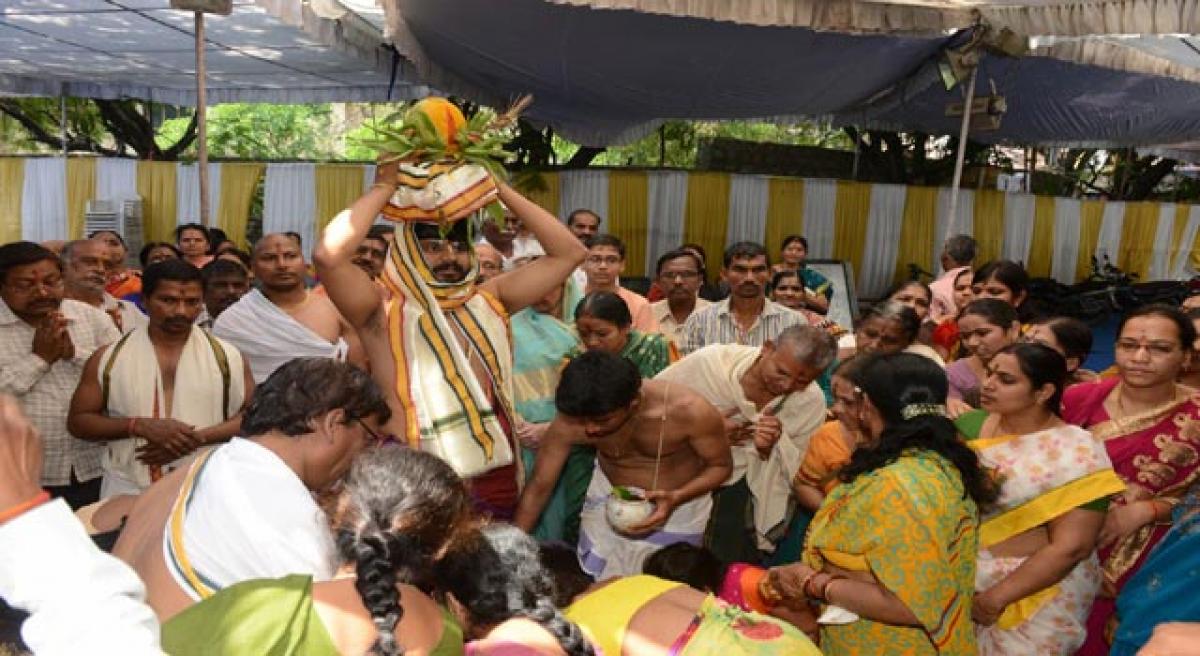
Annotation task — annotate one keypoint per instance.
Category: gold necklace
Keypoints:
(1125, 413)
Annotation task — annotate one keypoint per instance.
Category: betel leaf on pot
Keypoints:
(626, 494)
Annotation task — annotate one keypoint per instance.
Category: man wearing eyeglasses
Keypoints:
(44, 343)
(679, 279)
(441, 347)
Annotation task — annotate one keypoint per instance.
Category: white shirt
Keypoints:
(80, 599)
(44, 390)
(522, 247)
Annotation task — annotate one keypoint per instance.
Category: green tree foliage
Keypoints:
(325, 132)
(122, 128)
(263, 131)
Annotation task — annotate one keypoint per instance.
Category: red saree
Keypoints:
(1157, 454)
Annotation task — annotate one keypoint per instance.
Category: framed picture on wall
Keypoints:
(844, 307)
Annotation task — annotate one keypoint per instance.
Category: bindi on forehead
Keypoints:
(1151, 329)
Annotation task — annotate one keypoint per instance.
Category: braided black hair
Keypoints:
(398, 509)
(496, 575)
(897, 380)
(375, 580)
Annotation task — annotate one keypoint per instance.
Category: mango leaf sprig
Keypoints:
(411, 135)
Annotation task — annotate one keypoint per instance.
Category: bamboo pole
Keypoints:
(201, 122)
(962, 151)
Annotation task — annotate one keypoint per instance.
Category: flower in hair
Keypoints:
(914, 410)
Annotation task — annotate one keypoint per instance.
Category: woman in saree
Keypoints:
(1072, 339)
(1150, 427)
(542, 337)
(649, 616)
(834, 442)
(887, 327)
(494, 582)
(604, 324)
(1164, 589)
(787, 289)
(891, 552)
(396, 510)
(915, 294)
(985, 326)
(816, 290)
(943, 336)
(1006, 281)
(1037, 570)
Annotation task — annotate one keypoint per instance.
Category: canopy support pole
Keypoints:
(201, 122)
(962, 152)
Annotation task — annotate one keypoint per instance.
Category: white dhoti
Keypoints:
(604, 553)
(269, 337)
(209, 388)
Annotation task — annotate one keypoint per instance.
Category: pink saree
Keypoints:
(1157, 454)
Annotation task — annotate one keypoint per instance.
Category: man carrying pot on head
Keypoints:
(440, 345)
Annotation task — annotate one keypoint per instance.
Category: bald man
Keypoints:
(283, 320)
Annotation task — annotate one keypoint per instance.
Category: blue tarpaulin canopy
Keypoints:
(1103, 73)
(607, 71)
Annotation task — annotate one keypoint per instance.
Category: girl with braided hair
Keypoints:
(397, 510)
(496, 585)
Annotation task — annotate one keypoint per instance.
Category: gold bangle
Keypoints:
(828, 589)
(825, 588)
(387, 185)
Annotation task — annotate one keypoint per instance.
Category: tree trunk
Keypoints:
(122, 120)
(583, 157)
(1143, 181)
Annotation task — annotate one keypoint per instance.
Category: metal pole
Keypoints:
(201, 121)
(962, 152)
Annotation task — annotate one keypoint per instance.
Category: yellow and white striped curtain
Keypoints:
(879, 229)
(42, 198)
(12, 183)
